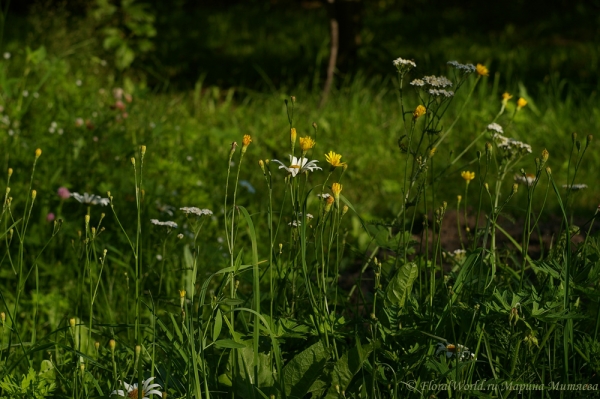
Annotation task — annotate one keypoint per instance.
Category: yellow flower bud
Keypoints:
(143, 150)
(515, 187)
(261, 163)
(329, 202)
(3, 317)
(87, 219)
(459, 198)
(38, 152)
(344, 210)
(138, 349)
(72, 322)
(293, 138)
(112, 345)
(33, 194)
(336, 188)
(97, 345)
(545, 155)
(521, 103)
(10, 172)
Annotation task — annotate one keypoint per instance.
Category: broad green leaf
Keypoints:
(229, 343)
(401, 284)
(218, 325)
(302, 371)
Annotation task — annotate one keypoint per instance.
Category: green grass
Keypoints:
(241, 304)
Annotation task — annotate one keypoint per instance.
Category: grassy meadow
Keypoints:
(183, 219)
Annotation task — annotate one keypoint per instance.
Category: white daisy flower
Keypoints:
(451, 349)
(298, 165)
(196, 211)
(132, 390)
(167, 223)
(90, 199)
(495, 128)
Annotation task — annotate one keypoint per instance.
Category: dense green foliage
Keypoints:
(389, 290)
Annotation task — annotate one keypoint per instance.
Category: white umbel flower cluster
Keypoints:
(511, 145)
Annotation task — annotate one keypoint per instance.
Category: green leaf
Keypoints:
(218, 325)
(302, 371)
(229, 343)
(401, 284)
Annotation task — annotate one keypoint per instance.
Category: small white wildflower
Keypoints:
(295, 223)
(132, 390)
(152, 125)
(36, 95)
(7, 55)
(575, 187)
(403, 65)
(189, 158)
(167, 223)
(196, 211)
(511, 145)
(78, 82)
(90, 199)
(53, 124)
(51, 129)
(437, 81)
(60, 131)
(441, 92)
(159, 257)
(495, 128)
(417, 82)
(528, 179)
(11, 132)
(308, 215)
(298, 165)
(465, 68)
(25, 93)
(324, 196)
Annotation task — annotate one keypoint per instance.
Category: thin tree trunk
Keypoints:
(334, 34)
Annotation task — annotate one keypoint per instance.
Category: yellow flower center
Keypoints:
(133, 394)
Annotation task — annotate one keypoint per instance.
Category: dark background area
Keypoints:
(281, 42)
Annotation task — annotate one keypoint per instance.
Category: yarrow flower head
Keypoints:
(334, 159)
(403, 65)
(170, 224)
(298, 165)
(437, 81)
(441, 92)
(418, 82)
(464, 68)
(482, 70)
(512, 146)
(196, 211)
(133, 391)
(90, 199)
(468, 176)
(495, 128)
(575, 187)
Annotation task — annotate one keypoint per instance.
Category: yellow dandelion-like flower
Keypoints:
(506, 96)
(246, 140)
(482, 70)
(334, 159)
(521, 103)
(419, 111)
(468, 176)
(336, 189)
(306, 143)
